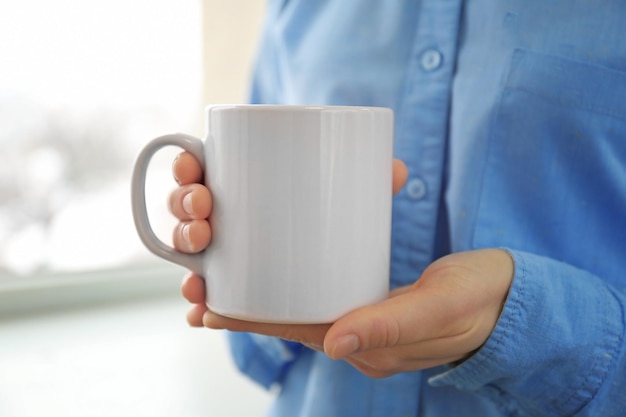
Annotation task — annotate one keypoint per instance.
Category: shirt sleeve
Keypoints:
(264, 359)
(558, 348)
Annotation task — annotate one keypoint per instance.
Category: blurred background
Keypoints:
(90, 322)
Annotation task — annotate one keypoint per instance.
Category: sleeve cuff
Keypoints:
(558, 336)
(262, 358)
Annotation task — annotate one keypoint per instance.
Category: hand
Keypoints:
(442, 318)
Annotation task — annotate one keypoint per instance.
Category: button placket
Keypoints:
(422, 124)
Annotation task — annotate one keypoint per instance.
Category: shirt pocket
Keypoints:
(555, 176)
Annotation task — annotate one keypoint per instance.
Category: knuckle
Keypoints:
(385, 332)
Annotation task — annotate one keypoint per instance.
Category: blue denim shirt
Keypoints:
(511, 116)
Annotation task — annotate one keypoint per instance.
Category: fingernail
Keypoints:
(187, 206)
(186, 236)
(345, 346)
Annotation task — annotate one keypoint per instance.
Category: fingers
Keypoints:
(386, 339)
(193, 290)
(383, 363)
(367, 328)
(307, 334)
(192, 236)
(406, 318)
(400, 175)
(195, 314)
(186, 169)
(191, 202)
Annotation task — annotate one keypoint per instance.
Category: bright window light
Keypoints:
(83, 85)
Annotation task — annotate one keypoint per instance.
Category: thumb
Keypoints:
(398, 320)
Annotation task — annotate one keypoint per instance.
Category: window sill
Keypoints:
(135, 359)
(49, 292)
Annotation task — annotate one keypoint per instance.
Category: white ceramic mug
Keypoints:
(301, 215)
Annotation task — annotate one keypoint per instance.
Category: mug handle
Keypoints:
(192, 145)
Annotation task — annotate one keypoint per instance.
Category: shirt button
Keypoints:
(431, 59)
(416, 189)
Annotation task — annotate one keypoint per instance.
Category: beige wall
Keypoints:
(230, 36)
